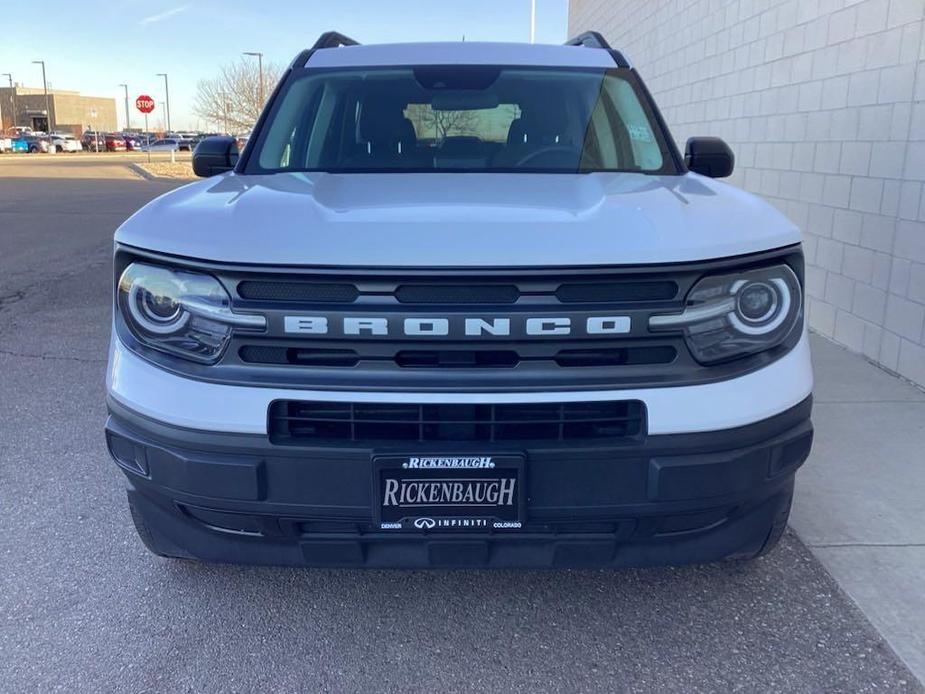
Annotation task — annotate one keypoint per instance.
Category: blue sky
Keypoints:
(95, 46)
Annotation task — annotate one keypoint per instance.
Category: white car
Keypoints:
(165, 145)
(6, 144)
(66, 143)
(460, 305)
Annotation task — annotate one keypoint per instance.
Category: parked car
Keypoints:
(565, 344)
(66, 143)
(19, 144)
(133, 141)
(93, 141)
(115, 143)
(186, 141)
(37, 143)
(6, 144)
(163, 145)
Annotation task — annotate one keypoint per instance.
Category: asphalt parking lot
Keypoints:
(84, 607)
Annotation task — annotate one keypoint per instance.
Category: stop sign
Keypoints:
(144, 103)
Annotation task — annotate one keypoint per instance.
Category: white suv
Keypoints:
(459, 305)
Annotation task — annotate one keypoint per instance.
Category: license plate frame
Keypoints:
(463, 506)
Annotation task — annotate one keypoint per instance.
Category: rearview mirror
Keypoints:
(709, 156)
(215, 155)
(463, 101)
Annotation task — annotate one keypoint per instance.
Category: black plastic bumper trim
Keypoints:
(667, 499)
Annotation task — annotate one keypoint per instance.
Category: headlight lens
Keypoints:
(730, 316)
(185, 313)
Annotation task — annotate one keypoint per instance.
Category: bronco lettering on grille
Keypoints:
(438, 326)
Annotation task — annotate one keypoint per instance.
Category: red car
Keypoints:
(115, 143)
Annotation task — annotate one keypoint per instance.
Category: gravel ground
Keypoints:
(84, 608)
(166, 169)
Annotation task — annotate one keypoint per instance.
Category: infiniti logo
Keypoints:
(424, 523)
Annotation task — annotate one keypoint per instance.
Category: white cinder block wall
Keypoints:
(823, 102)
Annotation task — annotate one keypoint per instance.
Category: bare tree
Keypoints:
(440, 124)
(232, 99)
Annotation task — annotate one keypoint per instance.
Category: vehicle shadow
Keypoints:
(774, 621)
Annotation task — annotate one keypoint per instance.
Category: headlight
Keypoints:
(185, 313)
(729, 316)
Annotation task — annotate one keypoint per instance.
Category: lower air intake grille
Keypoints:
(293, 422)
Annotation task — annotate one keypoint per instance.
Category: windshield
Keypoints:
(461, 118)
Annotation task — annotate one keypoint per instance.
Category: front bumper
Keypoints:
(163, 396)
(669, 499)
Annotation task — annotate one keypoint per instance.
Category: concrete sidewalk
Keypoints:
(860, 500)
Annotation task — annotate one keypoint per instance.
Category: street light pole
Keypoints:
(532, 21)
(127, 124)
(260, 69)
(49, 124)
(167, 97)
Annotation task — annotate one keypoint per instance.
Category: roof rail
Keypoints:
(589, 39)
(593, 39)
(333, 39)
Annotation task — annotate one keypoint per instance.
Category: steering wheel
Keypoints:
(574, 153)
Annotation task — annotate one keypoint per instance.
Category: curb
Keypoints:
(139, 171)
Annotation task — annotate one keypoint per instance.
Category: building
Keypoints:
(70, 110)
(823, 104)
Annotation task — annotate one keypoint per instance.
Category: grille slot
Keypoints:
(588, 292)
(457, 294)
(293, 422)
(457, 358)
(625, 356)
(329, 293)
(299, 356)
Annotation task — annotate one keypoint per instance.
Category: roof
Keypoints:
(461, 53)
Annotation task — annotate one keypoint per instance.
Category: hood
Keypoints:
(457, 220)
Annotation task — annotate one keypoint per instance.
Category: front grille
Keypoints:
(293, 422)
(494, 334)
(512, 360)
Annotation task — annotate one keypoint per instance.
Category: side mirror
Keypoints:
(215, 155)
(709, 156)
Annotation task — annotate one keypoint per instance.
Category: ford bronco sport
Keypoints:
(459, 305)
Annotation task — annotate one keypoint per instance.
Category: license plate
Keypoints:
(449, 492)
